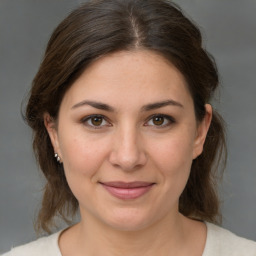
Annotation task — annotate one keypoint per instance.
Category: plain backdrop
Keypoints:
(229, 31)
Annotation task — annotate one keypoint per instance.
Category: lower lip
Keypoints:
(127, 193)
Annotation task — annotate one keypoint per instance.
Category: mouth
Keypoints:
(127, 190)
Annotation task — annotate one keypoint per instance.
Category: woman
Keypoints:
(124, 133)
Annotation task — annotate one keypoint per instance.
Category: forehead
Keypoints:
(130, 77)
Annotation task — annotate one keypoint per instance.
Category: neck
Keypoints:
(161, 238)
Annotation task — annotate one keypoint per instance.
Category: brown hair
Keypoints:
(98, 28)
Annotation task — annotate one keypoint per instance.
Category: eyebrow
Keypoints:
(94, 104)
(161, 104)
(148, 107)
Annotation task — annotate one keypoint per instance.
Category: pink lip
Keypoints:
(130, 190)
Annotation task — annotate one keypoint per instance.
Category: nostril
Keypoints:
(128, 161)
(127, 151)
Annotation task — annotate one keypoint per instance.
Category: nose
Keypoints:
(127, 151)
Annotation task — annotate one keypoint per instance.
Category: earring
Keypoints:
(57, 157)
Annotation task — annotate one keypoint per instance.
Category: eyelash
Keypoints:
(89, 118)
(169, 119)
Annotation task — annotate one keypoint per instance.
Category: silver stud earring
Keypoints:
(57, 157)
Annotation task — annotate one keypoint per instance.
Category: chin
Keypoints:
(128, 220)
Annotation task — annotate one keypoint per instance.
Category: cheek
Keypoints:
(173, 157)
(174, 152)
(83, 155)
(82, 160)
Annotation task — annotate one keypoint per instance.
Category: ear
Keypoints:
(202, 130)
(50, 125)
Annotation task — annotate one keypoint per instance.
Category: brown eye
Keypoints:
(158, 120)
(96, 120)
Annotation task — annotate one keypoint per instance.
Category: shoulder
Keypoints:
(223, 242)
(45, 246)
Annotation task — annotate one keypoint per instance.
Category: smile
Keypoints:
(124, 190)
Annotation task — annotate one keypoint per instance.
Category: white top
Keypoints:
(219, 242)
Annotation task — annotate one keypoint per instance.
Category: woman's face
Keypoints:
(127, 136)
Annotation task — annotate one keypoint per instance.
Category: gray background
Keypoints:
(229, 30)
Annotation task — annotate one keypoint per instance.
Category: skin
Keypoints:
(128, 145)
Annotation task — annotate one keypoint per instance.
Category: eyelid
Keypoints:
(170, 119)
(85, 119)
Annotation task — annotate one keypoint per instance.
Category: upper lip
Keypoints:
(122, 184)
